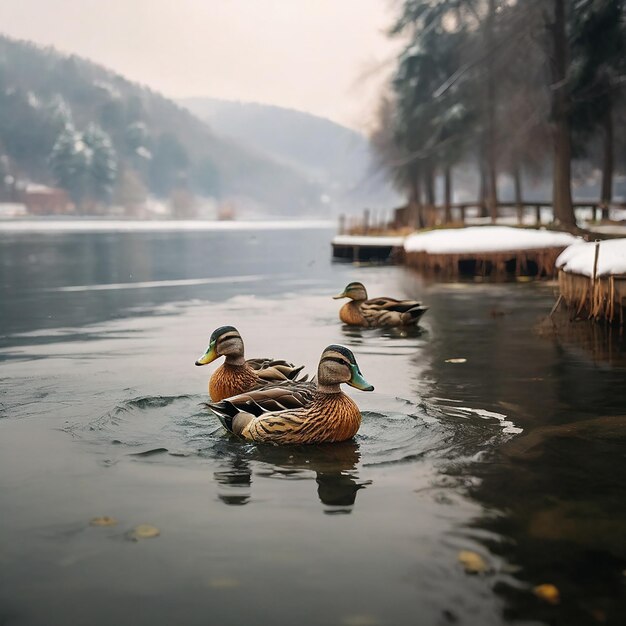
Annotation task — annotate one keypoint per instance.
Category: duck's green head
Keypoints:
(354, 291)
(224, 341)
(338, 365)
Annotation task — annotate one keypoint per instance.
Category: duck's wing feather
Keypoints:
(275, 398)
(276, 370)
(391, 312)
(390, 304)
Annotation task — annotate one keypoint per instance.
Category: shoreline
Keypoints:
(118, 225)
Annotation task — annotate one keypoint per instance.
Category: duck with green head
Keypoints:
(237, 374)
(377, 312)
(300, 413)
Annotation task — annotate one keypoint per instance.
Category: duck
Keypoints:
(300, 413)
(236, 375)
(377, 312)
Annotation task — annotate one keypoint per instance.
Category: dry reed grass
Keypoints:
(602, 298)
(498, 265)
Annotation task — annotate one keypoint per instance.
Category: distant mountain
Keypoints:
(336, 157)
(68, 122)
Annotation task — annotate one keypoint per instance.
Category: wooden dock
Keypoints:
(367, 249)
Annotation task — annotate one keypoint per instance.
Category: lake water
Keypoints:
(517, 454)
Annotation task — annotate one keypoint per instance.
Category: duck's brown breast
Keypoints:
(351, 314)
(230, 380)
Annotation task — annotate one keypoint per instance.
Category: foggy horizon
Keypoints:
(332, 65)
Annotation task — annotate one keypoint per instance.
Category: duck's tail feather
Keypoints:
(225, 420)
(275, 370)
(413, 316)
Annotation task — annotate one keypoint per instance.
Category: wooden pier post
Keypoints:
(538, 215)
(366, 221)
(342, 224)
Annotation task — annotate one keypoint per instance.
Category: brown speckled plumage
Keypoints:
(329, 418)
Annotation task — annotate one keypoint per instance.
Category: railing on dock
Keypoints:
(407, 218)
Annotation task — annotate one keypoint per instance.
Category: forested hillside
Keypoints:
(68, 122)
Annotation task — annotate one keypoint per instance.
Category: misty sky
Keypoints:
(321, 56)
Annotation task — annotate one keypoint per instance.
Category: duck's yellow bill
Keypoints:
(357, 381)
(208, 356)
(340, 295)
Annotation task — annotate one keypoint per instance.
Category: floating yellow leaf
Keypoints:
(547, 592)
(104, 520)
(144, 531)
(472, 562)
(460, 360)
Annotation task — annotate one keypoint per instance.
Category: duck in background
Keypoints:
(377, 312)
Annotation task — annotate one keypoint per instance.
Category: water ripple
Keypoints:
(393, 430)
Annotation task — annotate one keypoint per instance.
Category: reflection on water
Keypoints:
(392, 332)
(566, 518)
(482, 435)
(235, 478)
(333, 466)
(398, 432)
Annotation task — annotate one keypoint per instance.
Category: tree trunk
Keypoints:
(482, 190)
(492, 176)
(517, 187)
(429, 191)
(417, 216)
(562, 177)
(447, 194)
(607, 166)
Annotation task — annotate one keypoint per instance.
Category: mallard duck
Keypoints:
(378, 311)
(298, 413)
(237, 375)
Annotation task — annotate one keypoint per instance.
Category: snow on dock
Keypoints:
(486, 250)
(368, 240)
(477, 239)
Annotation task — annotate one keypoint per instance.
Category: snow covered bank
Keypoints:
(603, 298)
(478, 239)
(87, 225)
(579, 258)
